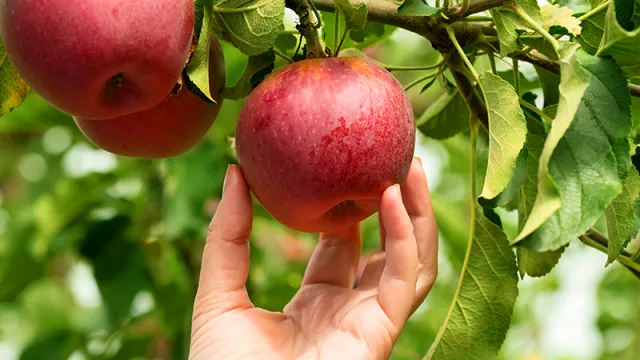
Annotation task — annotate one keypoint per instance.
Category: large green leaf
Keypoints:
(534, 264)
(621, 44)
(586, 156)
(480, 314)
(574, 82)
(13, 89)
(620, 216)
(507, 132)
(253, 25)
(445, 117)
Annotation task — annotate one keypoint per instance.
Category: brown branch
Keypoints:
(536, 58)
(595, 236)
(386, 12)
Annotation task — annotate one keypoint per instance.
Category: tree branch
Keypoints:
(386, 12)
(536, 58)
(468, 91)
(596, 240)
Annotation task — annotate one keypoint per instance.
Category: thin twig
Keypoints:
(595, 11)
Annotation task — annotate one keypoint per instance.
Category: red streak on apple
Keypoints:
(321, 139)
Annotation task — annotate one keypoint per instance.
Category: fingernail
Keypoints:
(227, 178)
(419, 159)
(396, 189)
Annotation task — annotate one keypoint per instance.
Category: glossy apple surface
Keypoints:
(321, 139)
(168, 129)
(99, 58)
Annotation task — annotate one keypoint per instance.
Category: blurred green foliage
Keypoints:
(99, 255)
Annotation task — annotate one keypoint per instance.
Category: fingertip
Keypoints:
(395, 218)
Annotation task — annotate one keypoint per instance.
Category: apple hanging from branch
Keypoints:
(102, 58)
(168, 129)
(319, 140)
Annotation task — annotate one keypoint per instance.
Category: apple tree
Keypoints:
(559, 150)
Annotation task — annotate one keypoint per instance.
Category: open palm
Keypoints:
(332, 316)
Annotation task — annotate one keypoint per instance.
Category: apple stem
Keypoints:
(309, 27)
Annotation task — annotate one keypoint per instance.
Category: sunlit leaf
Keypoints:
(507, 130)
(252, 26)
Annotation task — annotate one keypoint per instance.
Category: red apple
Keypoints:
(321, 139)
(168, 129)
(99, 58)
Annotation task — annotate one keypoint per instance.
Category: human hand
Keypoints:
(330, 317)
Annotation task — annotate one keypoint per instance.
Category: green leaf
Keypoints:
(550, 83)
(532, 8)
(13, 89)
(372, 33)
(257, 68)
(555, 16)
(510, 192)
(507, 34)
(507, 130)
(586, 156)
(198, 66)
(592, 31)
(417, 8)
(537, 264)
(480, 313)
(445, 117)
(355, 15)
(621, 44)
(252, 26)
(534, 264)
(620, 216)
(286, 42)
(56, 346)
(574, 82)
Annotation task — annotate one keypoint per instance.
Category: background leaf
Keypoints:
(13, 89)
(257, 68)
(445, 117)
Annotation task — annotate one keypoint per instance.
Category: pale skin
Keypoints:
(331, 316)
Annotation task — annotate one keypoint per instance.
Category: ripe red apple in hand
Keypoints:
(99, 58)
(321, 139)
(168, 129)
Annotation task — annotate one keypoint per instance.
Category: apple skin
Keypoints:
(321, 139)
(99, 58)
(168, 129)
